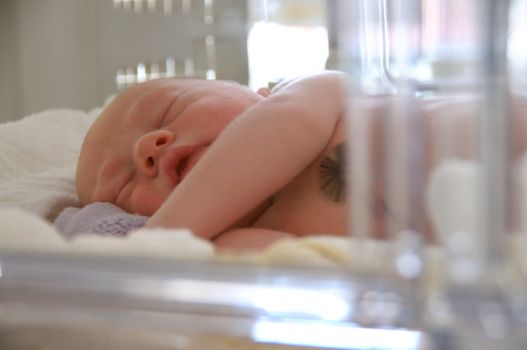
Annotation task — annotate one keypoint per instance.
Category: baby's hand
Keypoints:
(264, 91)
(285, 84)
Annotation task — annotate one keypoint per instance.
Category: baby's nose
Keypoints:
(148, 149)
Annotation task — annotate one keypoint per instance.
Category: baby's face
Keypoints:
(149, 138)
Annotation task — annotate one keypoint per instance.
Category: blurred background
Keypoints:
(75, 53)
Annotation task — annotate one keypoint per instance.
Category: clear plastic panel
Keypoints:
(435, 126)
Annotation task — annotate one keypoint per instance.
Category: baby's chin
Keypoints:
(146, 207)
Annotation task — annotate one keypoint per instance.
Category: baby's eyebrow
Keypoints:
(163, 118)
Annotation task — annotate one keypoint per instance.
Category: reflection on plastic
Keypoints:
(279, 300)
(323, 304)
(335, 336)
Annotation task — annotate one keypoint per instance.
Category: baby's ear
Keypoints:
(263, 91)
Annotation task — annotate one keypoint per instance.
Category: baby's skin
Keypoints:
(237, 167)
(242, 168)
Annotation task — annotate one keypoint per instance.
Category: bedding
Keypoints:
(37, 167)
(37, 160)
(99, 218)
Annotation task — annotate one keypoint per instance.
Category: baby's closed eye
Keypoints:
(125, 192)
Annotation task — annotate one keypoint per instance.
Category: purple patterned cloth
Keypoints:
(99, 218)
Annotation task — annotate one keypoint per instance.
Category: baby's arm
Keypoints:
(258, 154)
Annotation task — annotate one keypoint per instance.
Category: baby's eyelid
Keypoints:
(119, 198)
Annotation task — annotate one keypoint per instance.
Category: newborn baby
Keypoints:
(236, 167)
(242, 168)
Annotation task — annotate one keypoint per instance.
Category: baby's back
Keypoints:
(315, 201)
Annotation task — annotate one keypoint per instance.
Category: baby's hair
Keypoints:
(332, 174)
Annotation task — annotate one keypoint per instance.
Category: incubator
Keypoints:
(449, 272)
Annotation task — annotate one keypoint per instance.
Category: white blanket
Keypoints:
(37, 160)
(37, 165)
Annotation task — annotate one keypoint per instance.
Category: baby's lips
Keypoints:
(178, 161)
(193, 160)
(171, 161)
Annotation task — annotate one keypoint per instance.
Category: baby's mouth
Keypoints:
(181, 167)
(188, 163)
(178, 161)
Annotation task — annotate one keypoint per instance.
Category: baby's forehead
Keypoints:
(143, 99)
(184, 83)
(173, 86)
